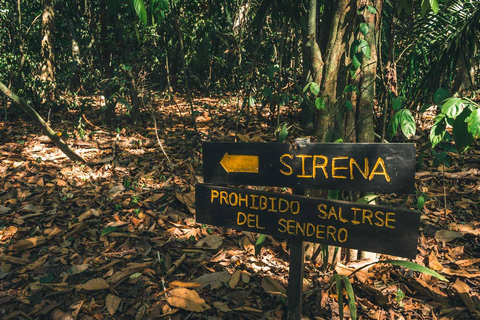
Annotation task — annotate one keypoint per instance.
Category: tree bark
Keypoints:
(43, 125)
(365, 108)
(47, 66)
(106, 63)
(330, 119)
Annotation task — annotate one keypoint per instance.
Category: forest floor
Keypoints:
(118, 239)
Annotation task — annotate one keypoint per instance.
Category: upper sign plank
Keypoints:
(335, 166)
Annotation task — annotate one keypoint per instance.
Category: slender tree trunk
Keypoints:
(106, 63)
(42, 124)
(76, 57)
(47, 66)
(365, 108)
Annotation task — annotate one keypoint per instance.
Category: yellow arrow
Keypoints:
(239, 163)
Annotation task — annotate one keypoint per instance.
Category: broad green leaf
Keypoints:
(452, 107)
(393, 124)
(314, 88)
(282, 135)
(415, 267)
(474, 123)
(354, 47)
(440, 95)
(397, 103)
(351, 297)
(407, 123)
(356, 61)
(348, 105)
(437, 132)
(434, 6)
(369, 198)
(363, 28)
(371, 9)
(425, 7)
(320, 103)
(107, 230)
(139, 7)
(338, 283)
(462, 137)
(259, 244)
(365, 48)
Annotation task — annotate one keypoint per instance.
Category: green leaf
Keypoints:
(440, 95)
(421, 202)
(107, 230)
(407, 123)
(320, 103)
(363, 28)
(306, 87)
(259, 244)
(437, 132)
(425, 7)
(434, 6)
(251, 101)
(314, 88)
(397, 103)
(356, 61)
(365, 48)
(282, 135)
(371, 9)
(351, 297)
(354, 47)
(348, 105)
(393, 125)
(350, 88)
(139, 7)
(333, 194)
(461, 135)
(338, 283)
(453, 107)
(474, 123)
(368, 199)
(415, 267)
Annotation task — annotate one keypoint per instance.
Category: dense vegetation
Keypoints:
(337, 71)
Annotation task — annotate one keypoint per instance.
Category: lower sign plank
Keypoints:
(339, 223)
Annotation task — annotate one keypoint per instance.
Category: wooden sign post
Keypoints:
(362, 167)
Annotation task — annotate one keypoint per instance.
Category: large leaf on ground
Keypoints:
(187, 299)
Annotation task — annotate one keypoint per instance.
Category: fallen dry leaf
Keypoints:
(433, 262)
(79, 268)
(25, 244)
(271, 286)
(235, 279)
(112, 302)
(184, 284)
(214, 280)
(94, 285)
(4, 210)
(211, 241)
(187, 299)
(447, 235)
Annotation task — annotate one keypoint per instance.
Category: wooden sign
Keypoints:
(335, 166)
(339, 223)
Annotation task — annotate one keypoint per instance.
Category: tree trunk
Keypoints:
(47, 66)
(313, 62)
(42, 124)
(106, 63)
(330, 119)
(365, 108)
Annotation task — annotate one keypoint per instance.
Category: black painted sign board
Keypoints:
(388, 167)
(339, 223)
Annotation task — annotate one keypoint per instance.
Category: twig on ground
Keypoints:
(159, 142)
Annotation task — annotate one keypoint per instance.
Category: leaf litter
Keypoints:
(118, 240)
